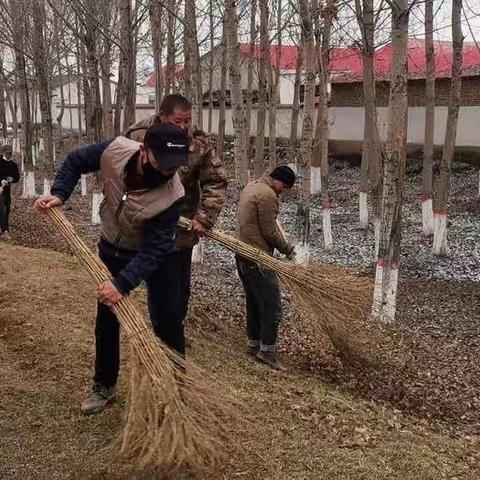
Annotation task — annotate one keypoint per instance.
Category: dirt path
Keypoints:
(301, 427)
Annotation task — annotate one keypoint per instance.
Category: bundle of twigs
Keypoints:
(327, 298)
(175, 418)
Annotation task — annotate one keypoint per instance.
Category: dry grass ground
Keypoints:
(300, 427)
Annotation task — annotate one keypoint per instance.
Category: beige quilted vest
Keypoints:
(123, 213)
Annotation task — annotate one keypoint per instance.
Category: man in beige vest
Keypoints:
(204, 178)
(257, 225)
(139, 216)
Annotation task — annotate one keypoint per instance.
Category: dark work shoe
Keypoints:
(253, 346)
(98, 399)
(252, 350)
(270, 359)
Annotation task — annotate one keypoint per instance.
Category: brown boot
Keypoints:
(270, 359)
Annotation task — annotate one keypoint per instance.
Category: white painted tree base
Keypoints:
(96, 201)
(315, 180)
(34, 155)
(376, 227)
(440, 246)
(83, 185)
(197, 253)
(29, 185)
(327, 229)
(363, 207)
(302, 253)
(427, 217)
(385, 293)
(46, 186)
(16, 145)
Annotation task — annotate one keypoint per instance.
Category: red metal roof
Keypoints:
(346, 64)
(288, 54)
(151, 79)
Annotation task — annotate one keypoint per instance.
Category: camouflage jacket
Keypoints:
(204, 180)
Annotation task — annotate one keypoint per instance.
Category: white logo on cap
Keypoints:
(175, 145)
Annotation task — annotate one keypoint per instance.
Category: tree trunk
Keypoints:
(60, 52)
(18, 28)
(87, 95)
(108, 15)
(126, 35)
(171, 50)
(106, 62)
(259, 162)
(69, 96)
(274, 93)
(13, 107)
(223, 89)
(251, 63)
(41, 63)
(305, 154)
(156, 18)
(293, 146)
(386, 275)
(129, 44)
(191, 44)
(61, 113)
(210, 67)
(371, 158)
(427, 210)
(27, 129)
(238, 110)
(80, 85)
(96, 114)
(3, 113)
(315, 171)
(324, 130)
(441, 194)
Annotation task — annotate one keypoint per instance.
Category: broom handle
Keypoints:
(241, 248)
(186, 224)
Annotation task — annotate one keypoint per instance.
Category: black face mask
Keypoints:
(153, 178)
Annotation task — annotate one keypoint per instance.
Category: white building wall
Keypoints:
(346, 123)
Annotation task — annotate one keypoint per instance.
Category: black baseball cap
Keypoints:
(168, 143)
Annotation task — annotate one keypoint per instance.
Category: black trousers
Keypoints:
(5, 203)
(168, 292)
(263, 301)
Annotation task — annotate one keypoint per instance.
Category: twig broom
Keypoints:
(328, 299)
(175, 418)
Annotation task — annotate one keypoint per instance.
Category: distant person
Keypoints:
(9, 174)
(257, 225)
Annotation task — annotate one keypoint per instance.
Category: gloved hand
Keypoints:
(9, 179)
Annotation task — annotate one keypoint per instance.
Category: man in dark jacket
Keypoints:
(258, 226)
(204, 178)
(8, 174)
(138, 216)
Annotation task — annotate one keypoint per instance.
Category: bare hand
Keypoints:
(48, 201)
(198, 228)
(108, 294)
(292, 256)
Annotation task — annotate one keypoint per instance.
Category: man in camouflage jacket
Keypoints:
(204, 179)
